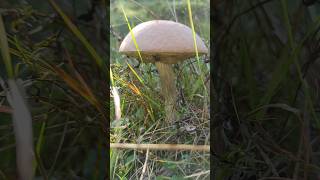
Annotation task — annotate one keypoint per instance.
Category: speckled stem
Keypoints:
(167, 79)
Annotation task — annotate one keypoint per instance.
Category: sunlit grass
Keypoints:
(142, 104)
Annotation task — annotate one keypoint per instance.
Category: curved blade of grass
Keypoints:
(136, 45)
(277, 105)
(77, 87)
(39, 144)
(82, 82)
(22, 121)
(79, 35)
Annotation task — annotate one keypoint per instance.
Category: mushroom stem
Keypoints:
(167, 79)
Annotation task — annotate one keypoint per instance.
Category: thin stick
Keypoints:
(144, 165)
(198, 174)
(169, 147)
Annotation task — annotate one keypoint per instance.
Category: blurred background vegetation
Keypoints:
(265, 79)
(266, 89)
(142, 105)
(66, 89)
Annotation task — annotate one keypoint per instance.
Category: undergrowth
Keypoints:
(142, 105)
(266, 77)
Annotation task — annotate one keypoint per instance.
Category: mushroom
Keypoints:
(163, 43)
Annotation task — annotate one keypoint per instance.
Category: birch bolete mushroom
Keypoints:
(163, 43)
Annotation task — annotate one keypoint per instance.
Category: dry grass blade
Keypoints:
(145, 165)
(117, 107)
(134, 88)
(83, 91)
(78, 75)
(22, 121)
(198, 174)
(76, 86)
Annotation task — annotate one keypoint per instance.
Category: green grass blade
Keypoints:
(5, 49)
(135, 73)
(287, 23)
(195, 45)
(39, 144)
(193, 31)
(136, 45)
(132, 35)
(248, 73)
(111, 78)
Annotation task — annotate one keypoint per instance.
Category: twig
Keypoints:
(198, 174)
(144, 165)
(169, 147)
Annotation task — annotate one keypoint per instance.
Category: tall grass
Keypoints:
(267, 114)
(21, 117)
(65, 90)
(142, 106)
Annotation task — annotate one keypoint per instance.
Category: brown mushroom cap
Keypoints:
(169, 41)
